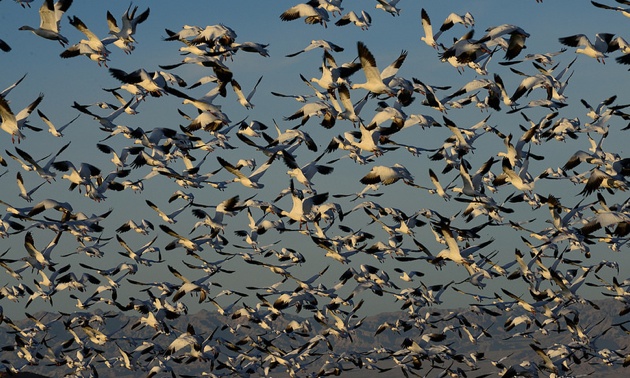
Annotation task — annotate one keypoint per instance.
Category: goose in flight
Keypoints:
(155, 83)
(302, 209)
(122, 37)
(374, 81)
(310, 11)
(389, 6)
(623, 11)
(77, 177)
(250, 181)
(9, 122)
(516, 42)
(170, 218)
(14, 123)
(363, 21)
(466, 50)
(428, 37)
(388, 175)
(26, 195)
(33, 165)
(50, 16)
(597, 51)
(92, 47)
(318, 43)
(55, 131)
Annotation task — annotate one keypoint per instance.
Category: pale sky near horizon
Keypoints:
(64, 81)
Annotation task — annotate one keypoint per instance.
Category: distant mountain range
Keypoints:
(468, 331)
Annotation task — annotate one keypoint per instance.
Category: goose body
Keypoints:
(595, 50)
(374, 81)
(50, 16)
(310, 12)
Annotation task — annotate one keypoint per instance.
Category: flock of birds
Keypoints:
(551, 262)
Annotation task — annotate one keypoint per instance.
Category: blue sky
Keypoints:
(64, 81)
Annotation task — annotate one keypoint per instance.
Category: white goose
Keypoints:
(250, 181)
(597, 51)
(387, 175)
(302, 209)
(363, 21)
(14, 123)
(374, 81)
(389, 6)
(9, 123)
(310, 11)
(55, 131)
(77, 177)
(428, 37)
(122, 37)
(92, 47)
(26, 195)
(623, 11)
(50, 16)
(319, 43)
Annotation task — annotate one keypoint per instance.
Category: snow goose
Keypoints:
(106, 123)
(13, 123)
(50, 16)
(310, 11)
(302, 209)
(332, 6)
(387, 175)
(55, 131)
(516, 42)
(350, 111)
(465, 50)
(546, 59)
(251, 47)
(452, 252)
(305, 173)
(597, 51)
(428, 37)
(26, 195)
(364, 21)
(39, 259)
(155, 83)
(366, 139)
(374, 81)
(250, 181)
(5, 92)
(389, 6)
(77, 177)
(623, 11)
(619, 43)
(320, 109)
(230, 206)
(319, 43)
(452, 19)
(142, 228)
(9, 123)
(428, 91)
(43, 171)
(92, 47)
(122, 37)
(170, 218)
(293, 137)
(218, 36)
(386, 113)
(245, 101)
(188, 286)
(521, 180)
(333, 74)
